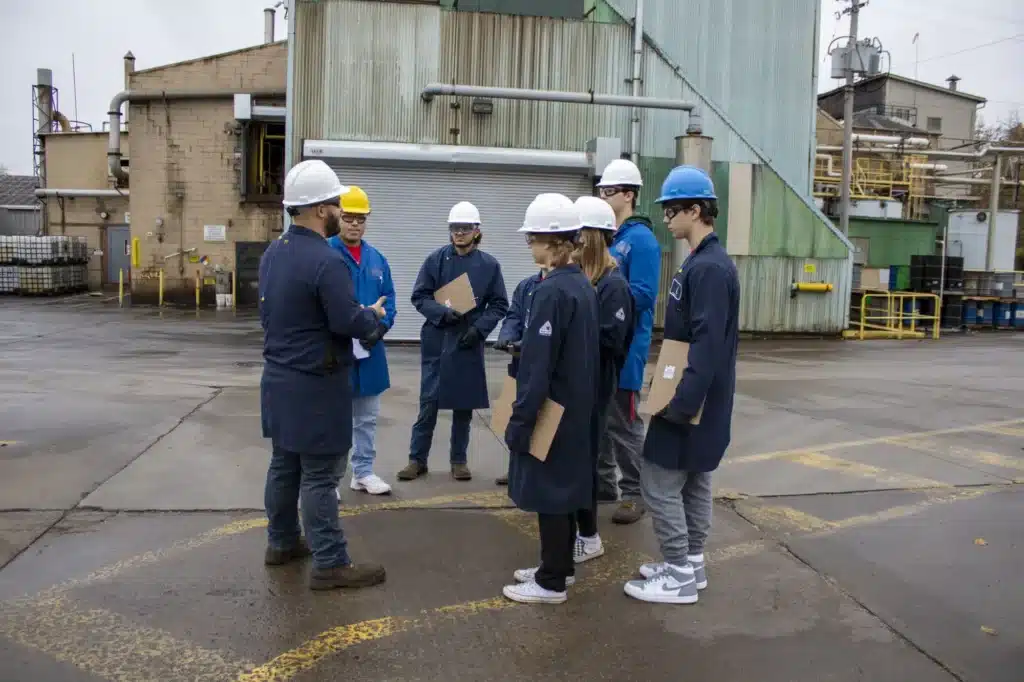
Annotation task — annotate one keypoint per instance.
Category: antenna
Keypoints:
(74, 85)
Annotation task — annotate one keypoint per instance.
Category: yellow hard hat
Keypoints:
(355, 201)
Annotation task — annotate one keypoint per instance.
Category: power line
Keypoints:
(970, 49)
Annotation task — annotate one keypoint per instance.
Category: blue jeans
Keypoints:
(315, 478)
(423, 433)
(364, 433)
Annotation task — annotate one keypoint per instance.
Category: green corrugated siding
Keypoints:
(653, 170)
(720, 176)
(783, 225)
(893, 242)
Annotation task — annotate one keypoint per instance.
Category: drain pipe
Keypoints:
(638, 53)
(46, 192)
(434, 89)
(114, 111)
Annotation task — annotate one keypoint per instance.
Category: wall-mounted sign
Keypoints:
(810, 268)
(127, 218)
(215, 233)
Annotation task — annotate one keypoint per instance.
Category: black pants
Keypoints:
(557, 538)
(586, 519)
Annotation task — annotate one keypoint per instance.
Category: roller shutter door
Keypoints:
(410, 219)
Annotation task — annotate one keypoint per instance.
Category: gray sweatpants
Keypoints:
(621, 446)
(679, 503)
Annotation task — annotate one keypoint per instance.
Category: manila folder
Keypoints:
(548, 419)
(667, 374)
(457, 295)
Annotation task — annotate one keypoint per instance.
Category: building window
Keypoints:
(263, 167)
(934, 124)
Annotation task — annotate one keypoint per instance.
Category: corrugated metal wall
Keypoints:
(765, 302)
(20, 221)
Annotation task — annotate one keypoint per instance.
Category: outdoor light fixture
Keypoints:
(484, 107)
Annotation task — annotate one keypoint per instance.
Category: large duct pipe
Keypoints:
(936, 153)
(434, 89)
(832, 173)
(114, 134)
(81, 193)
(268, 25)
(638, 53)
(892, 139)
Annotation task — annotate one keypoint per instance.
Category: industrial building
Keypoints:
(424, 104)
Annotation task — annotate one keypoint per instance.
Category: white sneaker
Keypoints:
(532, 593)
(700, 572)
(372, 484)
(526, 575)
(673, 585)
(652, 569)
(586, 549)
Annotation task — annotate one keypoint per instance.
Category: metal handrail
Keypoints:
(896, 317)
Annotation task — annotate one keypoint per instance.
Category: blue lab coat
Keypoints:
(639, 256)
(518, 313)
(372, 279)
(702, 310)
(309, 316)
(455, 377)
(616, 315)
(559, 360)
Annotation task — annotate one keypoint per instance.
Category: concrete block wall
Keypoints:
(83, 218)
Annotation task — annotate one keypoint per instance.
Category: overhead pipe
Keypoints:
(434, 89)
(937, 153)
(114, 111)
(929, 166)
(44, 192)
(268, 25)
(638, 53)
(830, 171)
(892, 139)
(972, 181)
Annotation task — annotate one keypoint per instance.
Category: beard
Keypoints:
(332, 227)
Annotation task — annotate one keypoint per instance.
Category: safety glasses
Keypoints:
(352, 219)
(461, 228)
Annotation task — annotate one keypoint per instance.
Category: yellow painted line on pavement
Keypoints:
(109, 646)
(828, 447)
(782, 517)
(966, 455)
(5, 443)
(1005, 430)
(818, 460)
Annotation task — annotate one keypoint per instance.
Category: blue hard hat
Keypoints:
(686, 182)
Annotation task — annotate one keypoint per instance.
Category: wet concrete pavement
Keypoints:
(867, 524)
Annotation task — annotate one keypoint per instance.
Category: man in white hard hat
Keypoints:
(310, 317)
(639, 256)
(452, 373)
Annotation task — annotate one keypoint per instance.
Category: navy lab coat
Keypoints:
(617, 322)
(518, 313)
(559, 360)
(703, 310)
(454, 377)
(309, 316)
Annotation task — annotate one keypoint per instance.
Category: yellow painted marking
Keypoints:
(5, 443)
(110, 646)
(817, 460)
(782, 517)
(1005, 431)
(967, 455)
(828, 447)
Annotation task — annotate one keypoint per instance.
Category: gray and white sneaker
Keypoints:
(526, 575)
(700, 573)
(673, 585)
(586, 549)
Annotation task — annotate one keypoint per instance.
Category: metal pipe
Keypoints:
(638, 53)
(937, 153)
(970, 181)
(114, 112)
(289, 114)
(892, 139)
(81, 193)
(829, 170)
(268, 25)
(993, 209)
(434, 89)
(814, 101)
(845, 185)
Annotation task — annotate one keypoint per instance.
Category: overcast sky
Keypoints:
(45, 34)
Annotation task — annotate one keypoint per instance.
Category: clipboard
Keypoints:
(548, 419)
(668, 373)
(457, 295)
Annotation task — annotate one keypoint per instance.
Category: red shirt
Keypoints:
(355, 251)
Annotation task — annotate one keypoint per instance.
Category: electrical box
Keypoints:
(867, 59)
(243, 107)
(601, 151)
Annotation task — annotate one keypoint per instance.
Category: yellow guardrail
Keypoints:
(889, 317)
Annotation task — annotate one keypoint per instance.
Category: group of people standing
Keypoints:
(579, 332)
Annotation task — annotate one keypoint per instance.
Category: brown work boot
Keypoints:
(279, 557)
(501, 480)
(630, 511)
(460, 472)
(353, 575)
(412, 470)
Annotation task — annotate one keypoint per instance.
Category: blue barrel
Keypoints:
(1018, 315)
(972, 313)
(1003, 315)
(986, 312)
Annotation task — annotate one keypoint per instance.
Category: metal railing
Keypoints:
(889, 316)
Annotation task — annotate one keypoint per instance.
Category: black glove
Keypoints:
(507, 345)
(469, 338)
(673, 417)
(375, 336)
(450, 317)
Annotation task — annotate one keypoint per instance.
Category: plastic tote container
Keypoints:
(1018, 315)
(1003, 315)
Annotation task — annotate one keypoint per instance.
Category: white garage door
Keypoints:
(410, 218)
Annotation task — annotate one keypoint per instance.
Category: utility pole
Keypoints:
(848, 92)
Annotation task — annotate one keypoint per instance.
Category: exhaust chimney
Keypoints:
(952, 80)
(268, 25)
(129, 69)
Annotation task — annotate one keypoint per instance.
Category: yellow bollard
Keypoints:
(120, 287)
(234, 290)
(198, 290)
(160, 292)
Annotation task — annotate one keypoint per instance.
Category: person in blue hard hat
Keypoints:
(638, 253)
(310, 317)
(678, 455)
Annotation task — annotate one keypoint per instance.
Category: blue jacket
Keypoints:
(455, 378)
(514, 324)
(372, 279)
(703, 310)
(309, 316)
(639, 256)
(559, 361)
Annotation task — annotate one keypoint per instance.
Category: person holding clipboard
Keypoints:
(558, 367)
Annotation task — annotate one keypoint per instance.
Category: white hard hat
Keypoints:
(463, 213)
(311, 182)
(621, 172)
(596, 213)
(550, 214)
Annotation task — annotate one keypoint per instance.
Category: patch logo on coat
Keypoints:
(620, 315)
(676, 291)
(545, 329)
